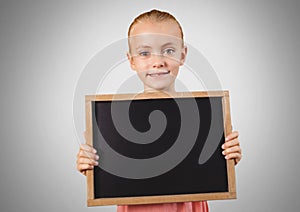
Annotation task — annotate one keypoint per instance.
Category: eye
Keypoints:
(144, 53)
(169, 51)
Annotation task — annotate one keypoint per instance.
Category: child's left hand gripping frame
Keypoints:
(217, 166)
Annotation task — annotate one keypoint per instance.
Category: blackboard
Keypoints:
(157, 147)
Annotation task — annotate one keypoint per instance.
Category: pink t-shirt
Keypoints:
(166, 207)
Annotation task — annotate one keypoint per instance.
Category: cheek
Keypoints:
(174, 67)
(174, 72)
(141, 66)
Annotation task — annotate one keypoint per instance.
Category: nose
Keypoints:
(158, 61)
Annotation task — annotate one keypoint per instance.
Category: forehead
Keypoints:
(168, 27)
(155, 34)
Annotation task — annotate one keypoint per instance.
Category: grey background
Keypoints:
(254, 47)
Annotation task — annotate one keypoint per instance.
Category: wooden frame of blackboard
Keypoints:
(230, 194)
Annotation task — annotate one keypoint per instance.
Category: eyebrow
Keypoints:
(168, 44)
(150, 47)
(143, 46)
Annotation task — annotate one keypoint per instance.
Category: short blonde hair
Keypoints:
(154, 15)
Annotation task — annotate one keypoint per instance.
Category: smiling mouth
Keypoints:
(159, 73)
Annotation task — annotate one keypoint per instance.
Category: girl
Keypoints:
(156, 51)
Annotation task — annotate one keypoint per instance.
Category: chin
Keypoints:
(160, 88)
(159, 85)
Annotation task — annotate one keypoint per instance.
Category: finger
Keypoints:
(231, 143)
(87, 161)
(84, 167)
(236, 156)
(236, 161)
(232, 135)
(83, 172)
(90, 155)
(87, 148)
(235, 149)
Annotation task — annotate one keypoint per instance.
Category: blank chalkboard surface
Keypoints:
(157, 148)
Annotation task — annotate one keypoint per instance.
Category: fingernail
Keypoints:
(94, 150)
(96, 163)
(97, 157)
(223, 146)
(223, 152)
(226, 139)
(226, 157)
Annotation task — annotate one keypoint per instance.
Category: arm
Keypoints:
(232, 149)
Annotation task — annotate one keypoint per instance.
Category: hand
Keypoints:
(86, 158)
(232, 149)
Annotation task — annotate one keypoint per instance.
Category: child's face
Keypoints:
(156, 53)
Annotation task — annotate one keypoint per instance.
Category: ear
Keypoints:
(183, 55)
(130, 59)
